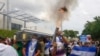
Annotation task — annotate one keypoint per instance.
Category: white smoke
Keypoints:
(69, 4)
(54, 8)
(46, 9)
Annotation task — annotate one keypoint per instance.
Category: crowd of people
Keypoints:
(44, 46)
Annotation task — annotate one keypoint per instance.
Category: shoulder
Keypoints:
(10, 48)
(38, 46)
(38, 43)
(11, 51)
(26, 44)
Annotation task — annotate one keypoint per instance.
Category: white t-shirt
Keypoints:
(47, 51)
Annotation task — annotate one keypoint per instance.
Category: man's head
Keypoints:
(47, 38)
(34, 37)
(58, 33)
(87, 44)
(79, 43)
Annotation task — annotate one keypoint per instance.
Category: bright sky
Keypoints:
(84, 11)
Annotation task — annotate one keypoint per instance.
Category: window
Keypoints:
(16, 26)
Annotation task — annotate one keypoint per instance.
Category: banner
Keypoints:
(83, 38)
(83, 51)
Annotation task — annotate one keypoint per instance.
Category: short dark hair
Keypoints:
(35, 35)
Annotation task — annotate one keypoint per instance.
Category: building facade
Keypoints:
(11, 23)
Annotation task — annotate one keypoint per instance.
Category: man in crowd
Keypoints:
(58, 48)
(47, 46)
(6, 50)
(33, 48)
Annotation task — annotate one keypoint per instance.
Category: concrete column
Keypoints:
(4, 21)
(24, 24)
(9, 23)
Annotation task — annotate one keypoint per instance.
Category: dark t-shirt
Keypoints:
(38, 47)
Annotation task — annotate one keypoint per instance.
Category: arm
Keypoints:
(53, 52)
(23, 51)
(64, 40)
(24, 48)
(38, 53)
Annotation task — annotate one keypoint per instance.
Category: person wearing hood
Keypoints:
(6, 50)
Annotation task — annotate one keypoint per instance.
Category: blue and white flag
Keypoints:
(83, 38)
(83, 51)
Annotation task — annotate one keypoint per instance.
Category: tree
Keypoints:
(70, 33)
(7, 33)
(93, 28)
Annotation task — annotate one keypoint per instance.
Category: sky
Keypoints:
(84, 10)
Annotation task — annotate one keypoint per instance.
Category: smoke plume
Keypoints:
(55, 13)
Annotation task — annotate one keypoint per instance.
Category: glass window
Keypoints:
(16, 26)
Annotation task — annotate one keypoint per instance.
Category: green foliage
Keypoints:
(7, 33)
(70, 33)
(66, 33)
(93, 28)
